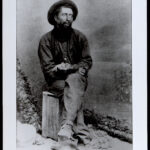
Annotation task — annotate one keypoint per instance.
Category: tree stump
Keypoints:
(50, 115)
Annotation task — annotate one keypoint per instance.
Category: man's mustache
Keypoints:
(67, 22)
(65, 25)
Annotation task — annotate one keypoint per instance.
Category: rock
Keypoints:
(26, 134)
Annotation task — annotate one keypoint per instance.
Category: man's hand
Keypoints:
(82, 71)
(63, 67)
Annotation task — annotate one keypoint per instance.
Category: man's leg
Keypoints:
(57, 87)
(74, 94)
(73, 90)
(80, 129)
(75, 87)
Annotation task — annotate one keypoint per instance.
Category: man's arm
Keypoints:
(86, 60)
(47, 61)
(50, 69)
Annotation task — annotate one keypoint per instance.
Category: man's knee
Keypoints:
(76, 77)
(58, 85)
(78, 81)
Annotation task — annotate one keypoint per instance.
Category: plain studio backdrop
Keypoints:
(107, 25)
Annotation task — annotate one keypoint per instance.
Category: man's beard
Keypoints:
(63, 31)
(64, 26)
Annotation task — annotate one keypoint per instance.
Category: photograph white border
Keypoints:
(139, 74)
(9, 74)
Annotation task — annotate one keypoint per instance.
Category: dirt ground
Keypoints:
(100, 141)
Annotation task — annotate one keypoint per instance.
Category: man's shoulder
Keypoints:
(79, 34)
(46, 37)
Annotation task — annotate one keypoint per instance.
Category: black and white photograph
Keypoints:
(74, 75)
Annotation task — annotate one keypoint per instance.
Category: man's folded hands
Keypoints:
(63, 67)
(67, 68)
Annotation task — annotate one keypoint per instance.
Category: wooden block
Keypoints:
(50, 115)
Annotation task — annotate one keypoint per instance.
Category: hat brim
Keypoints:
(55, 6)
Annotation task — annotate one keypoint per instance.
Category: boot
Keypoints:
(65, 135)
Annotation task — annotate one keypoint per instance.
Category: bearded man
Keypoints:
(65, 61)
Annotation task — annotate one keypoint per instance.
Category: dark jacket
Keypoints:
(50, 53)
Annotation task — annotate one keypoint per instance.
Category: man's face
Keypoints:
(64, 18)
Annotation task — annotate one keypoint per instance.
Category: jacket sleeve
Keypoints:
(46, 61)
(86, 59)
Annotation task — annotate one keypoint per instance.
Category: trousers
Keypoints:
(72, 90)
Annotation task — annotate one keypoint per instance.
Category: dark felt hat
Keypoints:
(55, 6)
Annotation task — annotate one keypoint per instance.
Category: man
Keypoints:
(65, 60)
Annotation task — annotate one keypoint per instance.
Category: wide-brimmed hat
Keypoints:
(55, 6)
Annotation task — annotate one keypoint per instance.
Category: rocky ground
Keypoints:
(101, 141)
(118, 128)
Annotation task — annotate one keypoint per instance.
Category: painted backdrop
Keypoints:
(107, 25)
